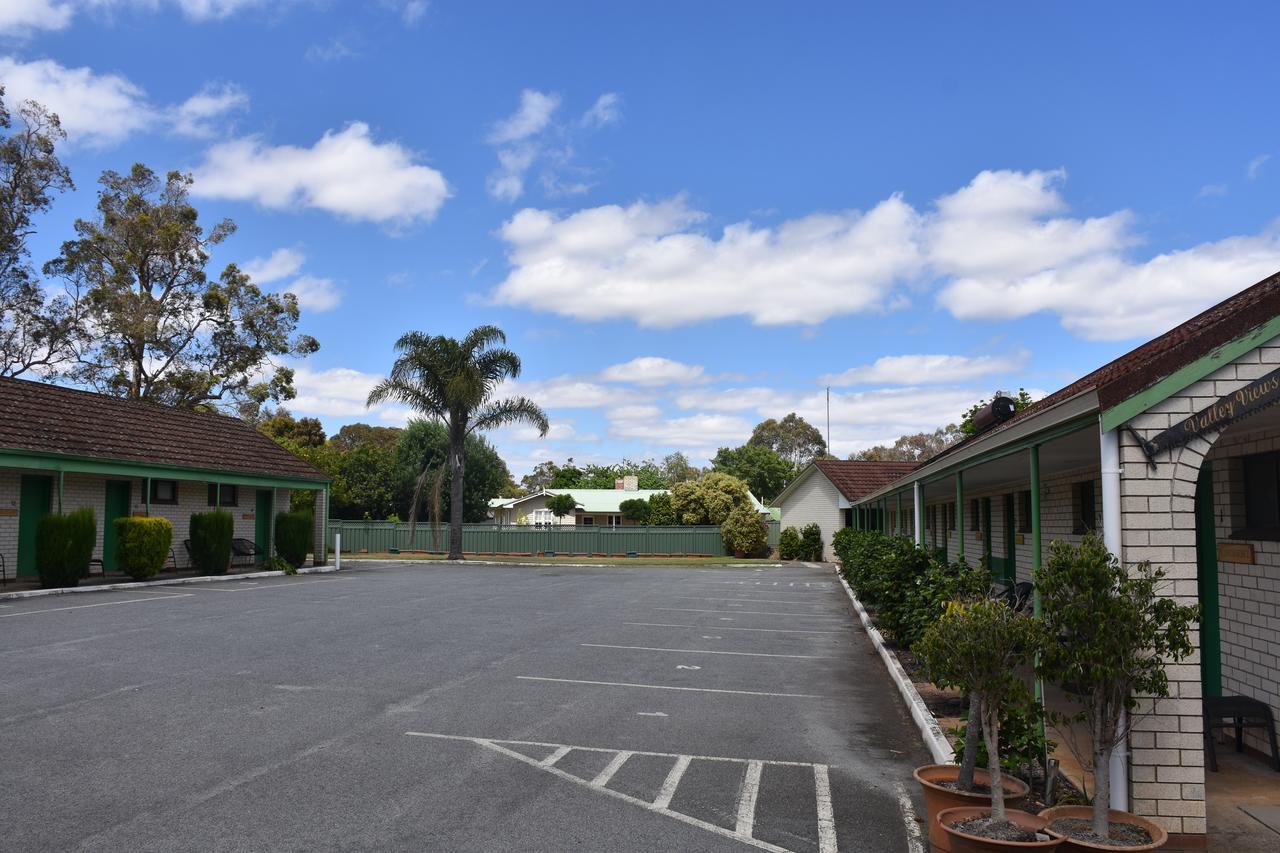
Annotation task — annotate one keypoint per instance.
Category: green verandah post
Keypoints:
(960, 516)
(1036, 558)
(898, 517)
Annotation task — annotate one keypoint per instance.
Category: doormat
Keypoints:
(1268, 816)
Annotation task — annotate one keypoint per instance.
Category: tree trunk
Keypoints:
(991, 732)
(457, 472)
(1103, 744)
(972, 732)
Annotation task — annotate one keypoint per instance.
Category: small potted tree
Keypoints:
(1113, 635)
(978, 646)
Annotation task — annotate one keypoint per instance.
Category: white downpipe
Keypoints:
(1111, 527)
(337, 550)
(918, 491)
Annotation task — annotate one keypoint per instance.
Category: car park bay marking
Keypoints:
(668, 687)
(748, 791)
(710, 651)
(99, 604)
(722, 628)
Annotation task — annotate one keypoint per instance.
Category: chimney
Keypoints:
(631, 483)
(619, 485)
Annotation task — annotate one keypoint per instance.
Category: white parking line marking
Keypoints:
(754, 613)
(672, 781)
(826, 815)
(746, 819)
(650, 714)
(603, 777)
(254, 587)
(99, 604)
(668, 687)
(711, 652)
(551, 759)
(767, 630)
(686, 666)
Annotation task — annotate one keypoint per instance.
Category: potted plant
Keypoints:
(978, 646)
(1112, 636)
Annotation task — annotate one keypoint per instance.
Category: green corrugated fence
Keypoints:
(383, 536)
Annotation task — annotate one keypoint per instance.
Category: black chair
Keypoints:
(4, 573)
(245, 552)
(1018, 596)
(1246, 713)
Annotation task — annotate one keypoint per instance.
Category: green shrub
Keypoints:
(211, 534)
(635, 509)
(1022, 742)
(811, 545)
(745, 532)
(789, 544)
(660, 511)
(278, 564)
(142, 545)
(293, 536)
(64, 547)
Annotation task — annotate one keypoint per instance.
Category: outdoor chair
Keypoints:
(4, 573)
(245, 552)
(1019, 596)
(1246, 713)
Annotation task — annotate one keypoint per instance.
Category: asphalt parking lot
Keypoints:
(458, 708)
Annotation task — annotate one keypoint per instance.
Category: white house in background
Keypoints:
(824, 493)
(594, 506)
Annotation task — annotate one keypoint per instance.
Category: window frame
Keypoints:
(1256, 528)
(220, 501)
(1024, 511)
(156, 499)
(1084, 492)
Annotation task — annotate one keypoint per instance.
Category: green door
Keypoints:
(1010, 542)
(116, 505)
(1207, 563)
(262, 521)
(986, 532)
(35, 500)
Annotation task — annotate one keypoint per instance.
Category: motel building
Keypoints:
(1172, 452)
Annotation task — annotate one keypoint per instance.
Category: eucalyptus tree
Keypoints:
(455, 382)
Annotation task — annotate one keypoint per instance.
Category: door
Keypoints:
(986, 531)
(115, 505)
(35, 499)
(1010, 542)
(1207, 576)
(262, 521)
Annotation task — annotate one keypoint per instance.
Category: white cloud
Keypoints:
(506, 183)
(648, 262)
(533, 114)
(926, 369)
(22, 17)
(760, 399)
(336, 48)
(654, 370)
(95, 109)
(567, 392)
(314, 293)
(193, 116)
(413, 10)
(335, 392)
(1212, 190)
(346, 173)
(605, 111)
(281, 263)
(1255, 166)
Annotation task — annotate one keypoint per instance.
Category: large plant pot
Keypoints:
(1159, 837)
(938, 798)
(964, 843)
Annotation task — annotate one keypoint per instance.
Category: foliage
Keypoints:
(278, 564)
(789, 547)
(142, 545)
(635, 509)
(977, 647)
(561, 505)
(661, 512)
(1115, 634)
(424, 446)
(811, 544)
(34, 330)
(294, 536)
(1020, 401)
(793, 438)
(709, 500)
(744, 531)
(549, 475)
(64, 547)
(676, 468)
(301, 432)
(1022, 741)
(454, 382)
(161, 329)
(760, 467)
(368, 482)
(352, 436)
(918, 447)
(211, 535)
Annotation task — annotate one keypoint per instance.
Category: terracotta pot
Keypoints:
(937, 798)
(1159, 837)
(964, 843)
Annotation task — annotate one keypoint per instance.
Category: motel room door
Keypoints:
(35, 501)
(116, 504)
(262, 521)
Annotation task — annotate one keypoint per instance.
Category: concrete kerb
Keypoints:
(939, 746)
(675, 564)
(111, 587)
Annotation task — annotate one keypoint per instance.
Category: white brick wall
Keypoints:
(815, 500)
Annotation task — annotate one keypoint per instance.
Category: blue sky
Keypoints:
(692, 216)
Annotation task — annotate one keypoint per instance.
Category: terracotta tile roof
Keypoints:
(51, 419)
(1159, 357)
(855, 478)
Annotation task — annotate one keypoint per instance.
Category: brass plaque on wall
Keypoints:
(8, 512)
(1235, 552)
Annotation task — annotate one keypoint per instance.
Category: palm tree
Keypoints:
(453, 382)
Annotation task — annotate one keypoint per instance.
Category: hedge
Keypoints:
(211, 534)
(811, 545)
(745, 532)
(64, 547)
(142, 545)
(294, 535)
(789, 544)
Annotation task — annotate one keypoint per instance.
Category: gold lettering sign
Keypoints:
(1235, 552)
(1249, 400)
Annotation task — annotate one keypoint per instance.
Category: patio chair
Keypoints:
(4, 573)
(245, 552)
(1246, 713)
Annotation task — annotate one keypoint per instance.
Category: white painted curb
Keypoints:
(939, 746)
(108, 587)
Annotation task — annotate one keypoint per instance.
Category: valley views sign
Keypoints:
(1236, 406)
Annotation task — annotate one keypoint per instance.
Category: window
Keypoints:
(975, 514)
(1085, 509)
(1024, 512)
(227, 497)
(164, 491)
(951, 516)
(588, 520)
(1261, 497)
